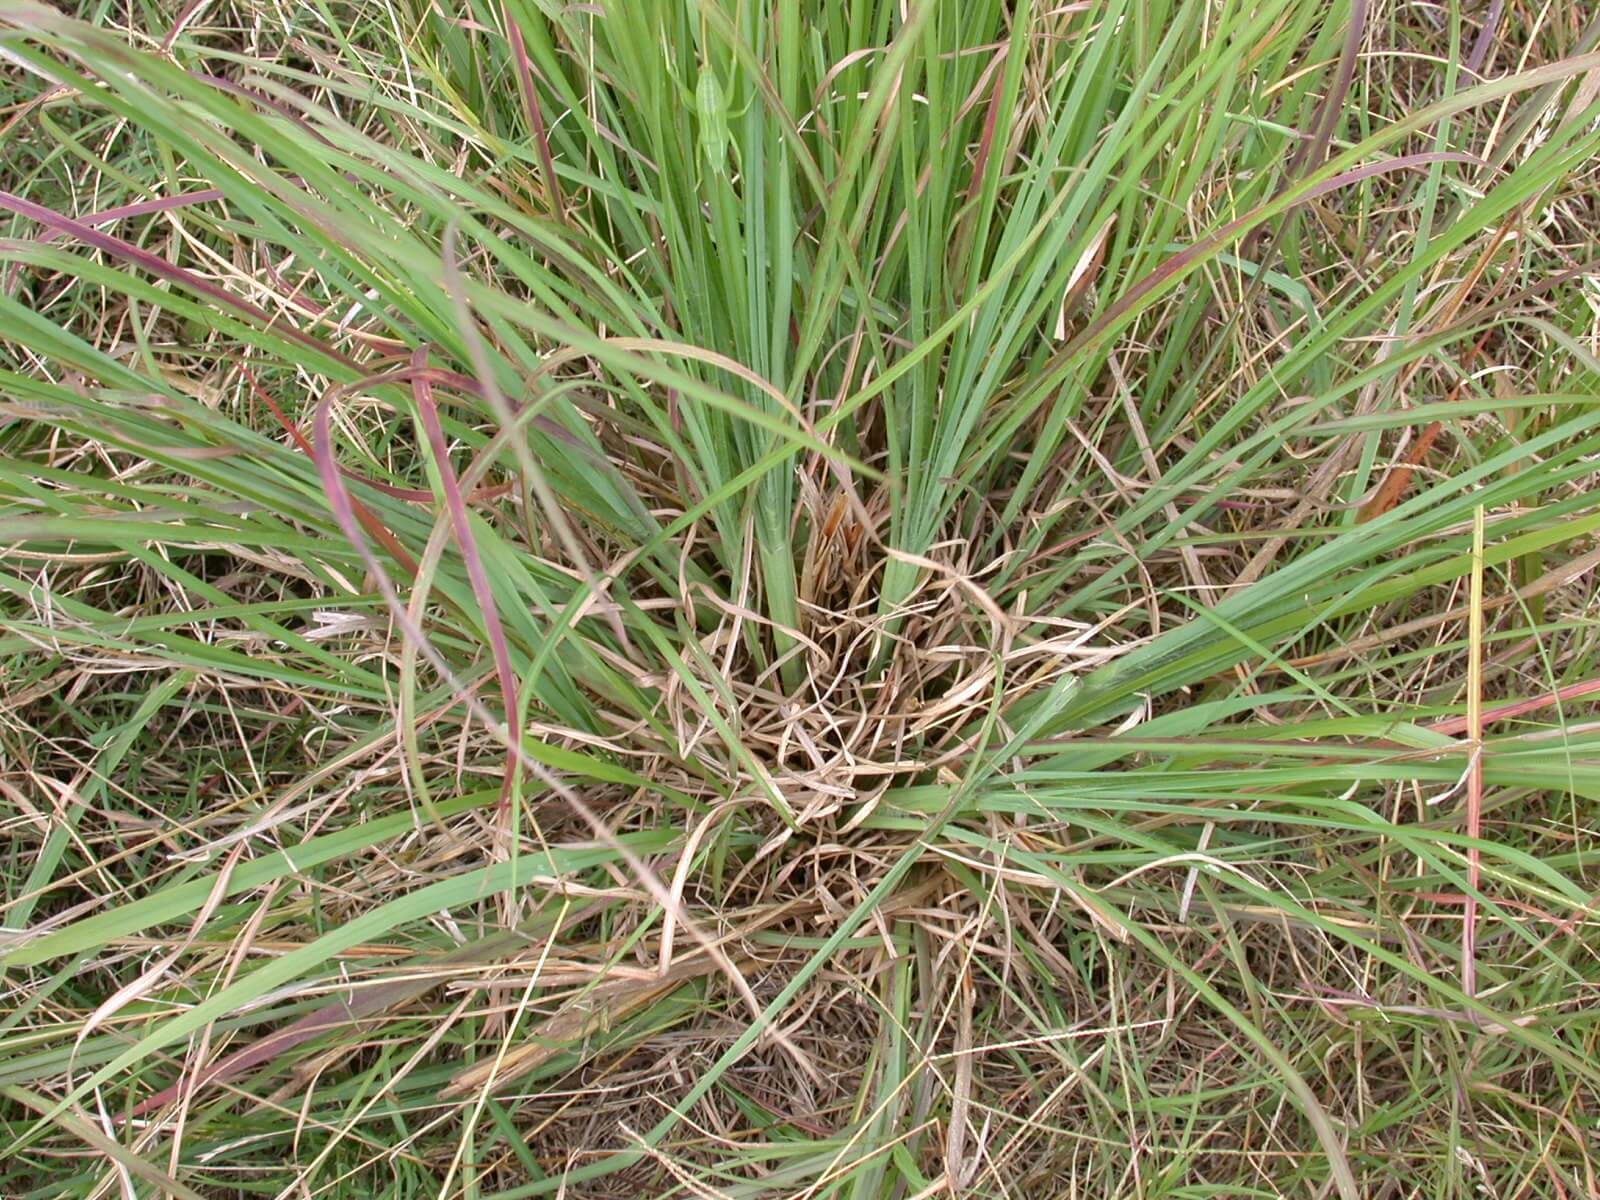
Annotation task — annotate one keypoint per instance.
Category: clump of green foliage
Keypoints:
(881, 599)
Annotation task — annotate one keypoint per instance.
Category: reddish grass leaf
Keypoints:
(422, 390)
(1521, 708)
(379, 531)
(160, 267)
(530, 99)
(1398, 481)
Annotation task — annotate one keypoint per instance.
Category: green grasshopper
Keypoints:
(709, 102)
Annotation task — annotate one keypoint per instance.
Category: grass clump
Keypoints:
(872, 600)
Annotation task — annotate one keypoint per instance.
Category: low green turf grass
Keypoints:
(878, 599)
